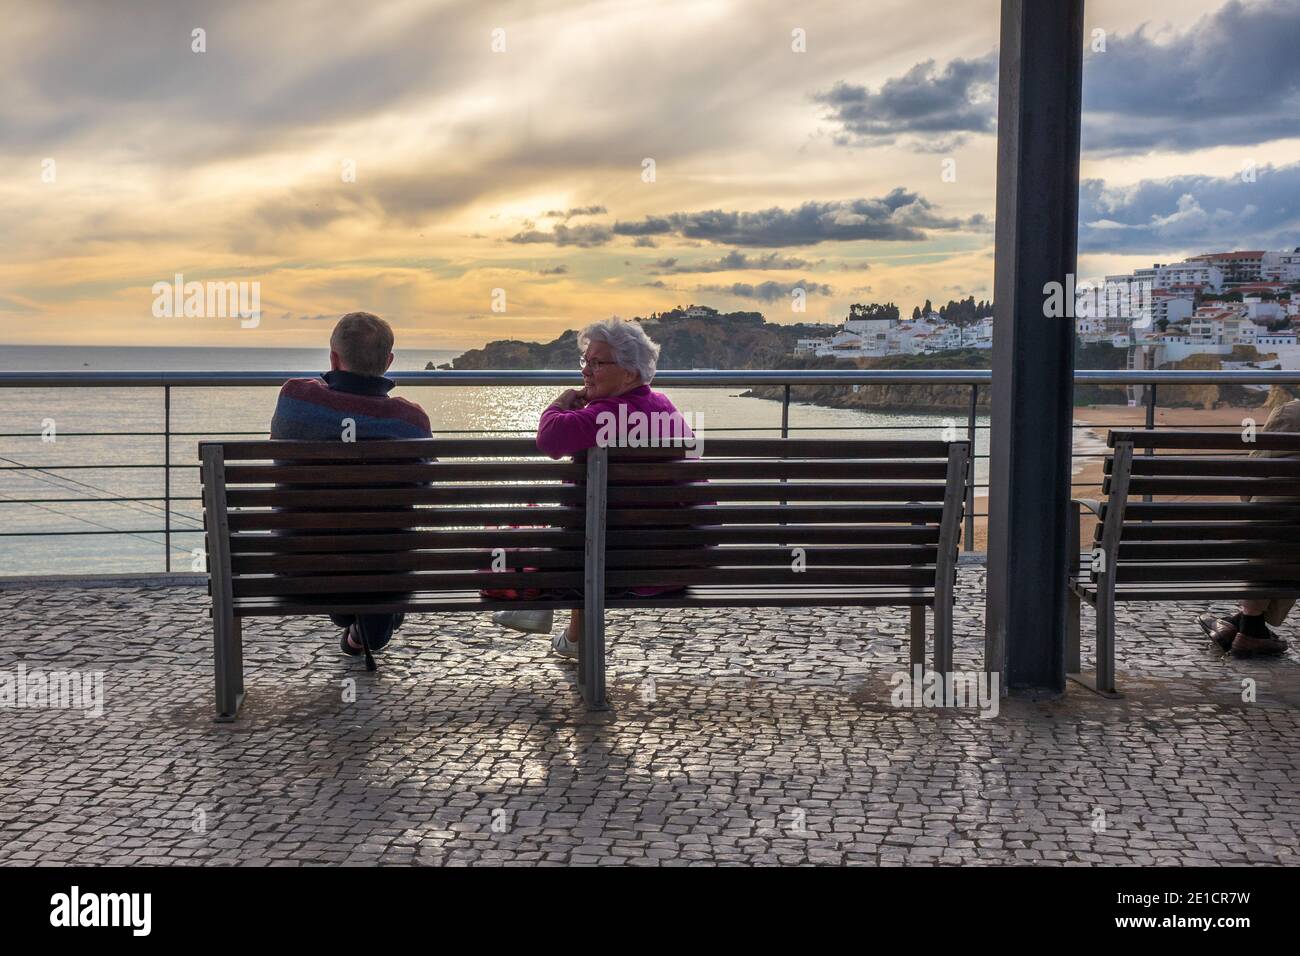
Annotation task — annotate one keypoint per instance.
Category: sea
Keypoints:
(82, 469)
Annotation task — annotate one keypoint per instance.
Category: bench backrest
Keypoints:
(785, 513)
(1193, 526)
(322, 519)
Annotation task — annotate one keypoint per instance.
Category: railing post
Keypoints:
(970, 471)
(167, 474)
(1151, 423)
(785, 412)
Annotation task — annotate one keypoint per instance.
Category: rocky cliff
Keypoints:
(731, 340)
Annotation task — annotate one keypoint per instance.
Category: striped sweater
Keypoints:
(315, 409)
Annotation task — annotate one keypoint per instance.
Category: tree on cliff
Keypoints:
(873, 310)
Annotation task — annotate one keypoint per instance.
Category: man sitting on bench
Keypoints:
(351, 400)
(1247, 632)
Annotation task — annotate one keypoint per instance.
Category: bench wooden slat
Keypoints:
(727, 596)
(822, 469)
(401, 583)
(1210, 511)
(1199, 549)
(262, 543)
(1221, 570)
(773, 534)
(778, 556)
(1275, 487)
(741, 596)
(1226, 441)
(1195, 591)
(1211, 465)
(751, 577)
(458, 560)
(795, 514)
(311, 498)
(290, 451)
(405, 519)
(373, 473)
(773, 491)
(792, 448)
(440, 600)
(1210, 531)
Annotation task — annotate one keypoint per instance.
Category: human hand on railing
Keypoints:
(570, 399)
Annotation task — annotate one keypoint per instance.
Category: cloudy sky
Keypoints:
(412, 157)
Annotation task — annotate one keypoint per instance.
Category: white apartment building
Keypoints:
(1190, 273)
(1281, 266)
(810, 346)
(1174, 307)
(868, 328)
(1265, 339)
(1237, 267)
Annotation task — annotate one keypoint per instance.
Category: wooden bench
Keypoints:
(296, 528)
(1153, 544)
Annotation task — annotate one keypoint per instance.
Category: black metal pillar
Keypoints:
(1040, 76)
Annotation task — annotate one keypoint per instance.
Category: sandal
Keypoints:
(346, 646)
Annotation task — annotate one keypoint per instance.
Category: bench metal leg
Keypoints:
(1072, 642)
(229, 660)
(918, 635)
(1106, 646)
(943, 634)
(1102, 680)
(591, 661)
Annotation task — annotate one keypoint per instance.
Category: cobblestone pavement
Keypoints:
(736, 737)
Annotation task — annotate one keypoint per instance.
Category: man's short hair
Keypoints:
(363, 343)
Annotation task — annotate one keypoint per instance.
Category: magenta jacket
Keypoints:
(563, 433)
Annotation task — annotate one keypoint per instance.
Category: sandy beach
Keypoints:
(1090, 447)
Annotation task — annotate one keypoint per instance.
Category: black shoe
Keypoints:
(1254, 636)
(1221, 630)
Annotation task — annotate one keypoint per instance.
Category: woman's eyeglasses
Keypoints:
(594, 364)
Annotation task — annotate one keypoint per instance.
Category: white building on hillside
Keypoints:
(1190, 273)
(1281, 266)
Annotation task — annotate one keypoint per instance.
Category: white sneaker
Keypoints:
(561, 645)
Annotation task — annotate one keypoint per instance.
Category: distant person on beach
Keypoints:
(618, 363)
(1247, 632)
(314, 409)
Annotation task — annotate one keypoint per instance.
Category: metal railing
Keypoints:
(974, 379)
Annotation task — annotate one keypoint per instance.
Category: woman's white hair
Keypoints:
(633, 349)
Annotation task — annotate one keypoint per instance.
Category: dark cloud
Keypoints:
(557, 271)
(900, 216)
(657, 284)
(645, 242)
(590, 234)
(767, 291)
(575, 211)
(1231, 78)
(924, 100)
(1202, 213)
(113, 65)
(735, 259)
